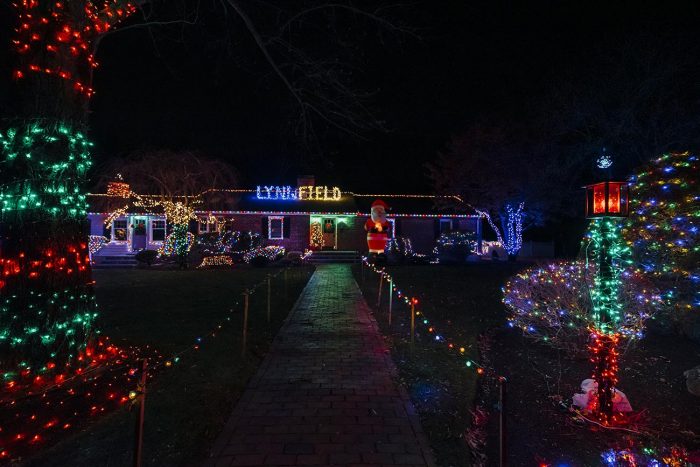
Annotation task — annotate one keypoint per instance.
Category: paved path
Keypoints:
(325, 393)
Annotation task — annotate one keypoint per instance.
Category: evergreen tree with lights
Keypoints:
(663, 230)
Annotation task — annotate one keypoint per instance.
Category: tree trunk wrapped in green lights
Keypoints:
(47, 305)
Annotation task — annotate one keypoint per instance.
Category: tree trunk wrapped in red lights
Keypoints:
(47, 303)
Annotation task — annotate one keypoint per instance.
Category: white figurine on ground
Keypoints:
(589, 388)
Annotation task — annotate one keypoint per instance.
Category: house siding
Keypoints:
(421, 231)
(351, 235)
(299, 232)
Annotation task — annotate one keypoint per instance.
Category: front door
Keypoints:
(330, 233)
(138, 240)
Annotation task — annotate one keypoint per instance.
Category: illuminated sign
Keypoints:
(312, 193)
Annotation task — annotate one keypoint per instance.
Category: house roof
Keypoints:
(247, 201)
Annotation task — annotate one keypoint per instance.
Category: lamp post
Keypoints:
(606, 202)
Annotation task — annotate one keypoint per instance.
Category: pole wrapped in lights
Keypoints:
(606, 203)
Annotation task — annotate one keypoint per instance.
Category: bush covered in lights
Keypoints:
(399, 249)
(664, 231)
(454, 247)
(551, 303)
(217, 243)
(262, 255)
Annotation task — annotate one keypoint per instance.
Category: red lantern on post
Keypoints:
(607, 199)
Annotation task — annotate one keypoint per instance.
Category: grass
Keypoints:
(188, 404)
(462, 302)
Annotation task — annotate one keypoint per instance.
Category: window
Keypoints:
(120, 231)
(275, 228)
(445, 225)
(203, 225)
(157, 230)
(329, 225)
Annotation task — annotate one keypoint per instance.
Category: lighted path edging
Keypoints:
(326, 393)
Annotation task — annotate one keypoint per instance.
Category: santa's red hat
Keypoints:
(379, 202)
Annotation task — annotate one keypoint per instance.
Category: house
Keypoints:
(306, 216)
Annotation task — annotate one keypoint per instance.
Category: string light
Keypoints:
(551, 304)
(177, 243)
(216, 261)
(673, 456)
(63, 39)
(513, 230)
(310, 193)
(271, 252)
(95, 242)
(56, 158)
(421, 319)
(609, 255)
(316, 234)
(664, 227)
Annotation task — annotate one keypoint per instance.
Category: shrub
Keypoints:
(551, 303)
(259, 261)
(147, 257)
(454, 247)
(295, 258)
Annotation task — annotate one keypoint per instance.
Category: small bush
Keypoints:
(147, 257)
(259, 261)
(294, 258)
(455, 247)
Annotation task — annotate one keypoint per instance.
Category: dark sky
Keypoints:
(207, 88)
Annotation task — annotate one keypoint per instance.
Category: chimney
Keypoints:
(306, 180)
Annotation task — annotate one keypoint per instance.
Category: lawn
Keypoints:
(464, 302)
(187, 404)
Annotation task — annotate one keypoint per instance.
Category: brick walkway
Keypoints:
(325, 393)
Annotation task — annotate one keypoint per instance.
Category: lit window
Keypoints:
(275, 228)
(119, 230)
(157, 230)
(203, 225)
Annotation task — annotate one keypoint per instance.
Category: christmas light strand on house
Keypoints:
(96, 242)
(431, 330)
(308, 193)
(62, 34)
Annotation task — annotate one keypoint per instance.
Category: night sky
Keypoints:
(205, 87)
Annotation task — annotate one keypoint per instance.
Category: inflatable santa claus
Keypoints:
(377, 227)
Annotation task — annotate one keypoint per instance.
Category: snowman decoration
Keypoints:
(377, 227)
